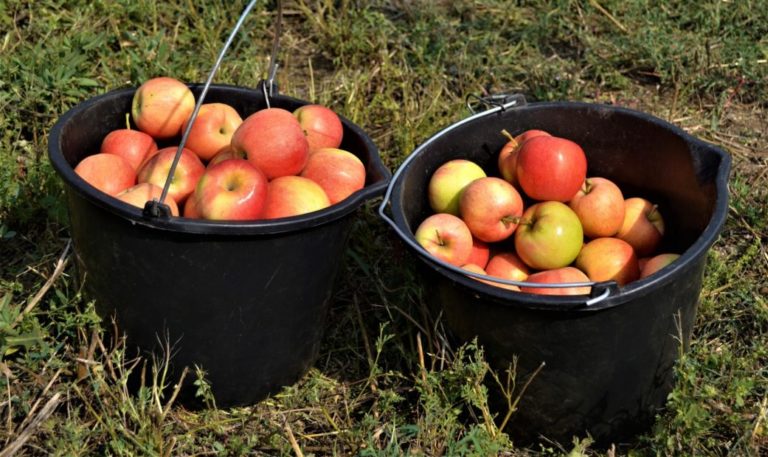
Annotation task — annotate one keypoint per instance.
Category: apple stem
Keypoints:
(439, 238)
(587, 186)
(128, 121)
(652, 212)
(507, 220)
(510, 137)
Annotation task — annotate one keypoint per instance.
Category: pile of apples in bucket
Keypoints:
(575, 229)
(274, 163)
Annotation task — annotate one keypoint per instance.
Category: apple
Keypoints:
(142, 193)
(212, 130)
(642, 227)
(292, 196)
(653, 264)
(274, 141)
(161, 105)
(187, 173)
(507, 161)
(608, 258)
(474, 268)
(191, 209)
(549, 235)
(599, 203)
(480, 253)
(551, 168)
(109, 173)
(322, 126)
(491, 208)
(507, 265)
(227, 153)
(231, 190)
(133, 145)
(340, 173)
(446, 237)
(447, 183)
(558, 276)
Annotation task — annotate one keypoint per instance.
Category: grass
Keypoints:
(402, 70)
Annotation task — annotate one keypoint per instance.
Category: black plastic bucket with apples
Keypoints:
(245, 301)
(602, 364)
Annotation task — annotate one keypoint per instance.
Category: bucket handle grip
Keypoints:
(157, 208)
(599, 290)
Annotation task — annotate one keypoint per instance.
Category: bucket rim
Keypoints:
(610, 295)
(379, 174)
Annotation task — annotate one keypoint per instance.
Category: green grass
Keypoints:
(402, 70)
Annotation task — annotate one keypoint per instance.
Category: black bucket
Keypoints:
(246, 301)
(608, 359)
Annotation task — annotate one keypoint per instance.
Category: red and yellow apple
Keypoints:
(643, 226)
(653, 264)
(322, 126)
(551, 168)
(109, 173)
(491, 208)
(507, 265)
(161, 105)
(564, 275)
(480, 254)
(549, 235)
(231, 190)
(142, 193)
(187, 173)
(608, 258)
(446, 237)
(132, 145)
(227, 153)
(448, 182)
(340, 173)
(293, 196)
(599, 203)
(212, 130)
(191, 210)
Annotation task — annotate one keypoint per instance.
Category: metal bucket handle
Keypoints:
(156, 208)
(498, 103)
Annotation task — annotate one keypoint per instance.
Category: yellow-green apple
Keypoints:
(653, 264)
(609, 258)
(474, 268)
(109, 173)
(480, 254)
(446, 237)
(491, 208)
(599, 203)
(187, 173)
(447, 183)
(643, 226)
(212, 130)
(225, 154)
(507, 161)
(231, 190)
(551, 168)
(191, 210)
(142, 193)
(340, 173)
(549, 236)
(292, 196)
(133, 145)
(507, 265)
(322, 126)
(161, 105)
(273, 141)
(562, 275)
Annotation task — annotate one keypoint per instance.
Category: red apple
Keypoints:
(653, 264)
(643, 226)
(507, 265)
(212, 130)
(491, 208)
(608, 258)
(142, 193)
(558, 276)
(446, 237)
(340, 173)
(448, 182)
(477, 269)
(132, 145)
(599, 203)
(109, 173)
(507, 161)
(549, 236)
(480, 254)
(322, 126)
(292, 196)
(161, 105)
(231, 190)
(551, 168)
(227, 153)
(188, 172)
(273, 140)
(191, 209)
